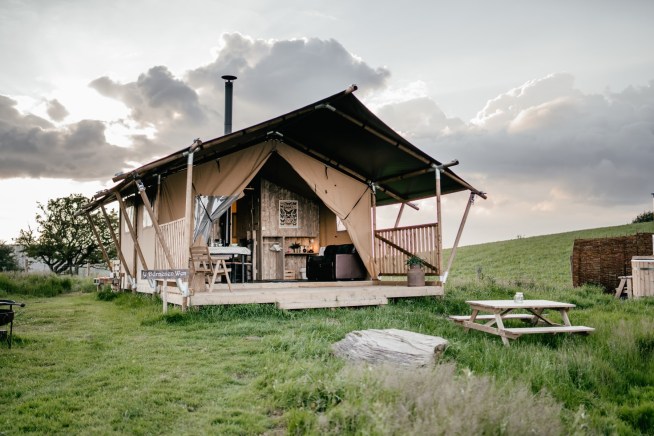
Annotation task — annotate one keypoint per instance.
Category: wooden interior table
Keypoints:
(228, 252)
(501, 310)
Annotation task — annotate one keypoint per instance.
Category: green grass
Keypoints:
(541, 262)
(114, 364)
(42, 285)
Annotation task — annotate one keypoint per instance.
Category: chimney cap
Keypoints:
(228, 77)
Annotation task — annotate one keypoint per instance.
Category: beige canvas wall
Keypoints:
(346, 197)
(328, 233)
(228, 175)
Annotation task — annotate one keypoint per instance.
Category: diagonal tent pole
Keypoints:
(157, 230)
(97, 238)
(155, 224)
(118, 249)
(471, 201)
(130, 227)
(439, 229)
(399, 216)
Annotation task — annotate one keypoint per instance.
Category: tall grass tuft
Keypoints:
(42, 285)
(437, 401)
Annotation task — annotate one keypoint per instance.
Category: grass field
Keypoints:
(107, 363)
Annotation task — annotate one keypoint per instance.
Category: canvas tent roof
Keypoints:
(338, 131)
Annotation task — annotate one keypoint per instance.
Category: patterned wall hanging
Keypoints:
(288, 210)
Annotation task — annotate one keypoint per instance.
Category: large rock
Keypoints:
(394, 346)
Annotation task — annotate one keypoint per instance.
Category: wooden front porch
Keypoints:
(303, 295)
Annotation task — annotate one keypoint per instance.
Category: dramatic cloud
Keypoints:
(156, 98)
(273, 77)
(279, 76)
(31, 146)
(56, 110)
(543, 150)
(546, 145)
(419, 117)
(504, 109)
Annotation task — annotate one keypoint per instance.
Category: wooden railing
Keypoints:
(394, 246)
(173, 233)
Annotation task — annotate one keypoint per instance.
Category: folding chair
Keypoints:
(210, 267)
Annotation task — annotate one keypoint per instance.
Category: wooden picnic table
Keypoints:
(527, 310)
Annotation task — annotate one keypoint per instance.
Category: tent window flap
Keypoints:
(208, 208)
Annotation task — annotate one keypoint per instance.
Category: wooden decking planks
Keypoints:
(316, 304)
(287, 296)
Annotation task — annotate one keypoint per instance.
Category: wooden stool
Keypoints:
(624, 281)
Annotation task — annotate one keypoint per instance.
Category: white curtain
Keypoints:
(208, 208)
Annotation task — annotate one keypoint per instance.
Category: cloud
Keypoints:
(155, 98)
(279, 76)
(544, 149)
(501, 110)
(166, 113)
(546, 136)
(56, 111)
(419, 117)
(273, 77)
(31, 146)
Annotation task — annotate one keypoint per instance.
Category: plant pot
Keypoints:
(415, 276)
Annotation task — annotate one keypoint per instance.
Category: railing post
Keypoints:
(373, 191)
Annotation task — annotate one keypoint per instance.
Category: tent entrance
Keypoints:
(285, 220)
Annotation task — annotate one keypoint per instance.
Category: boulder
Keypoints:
(392, 346)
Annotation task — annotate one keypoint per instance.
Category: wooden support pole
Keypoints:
(189, 208)
(155, 224)
(189, 201)
(105, 256)
(399, 216)
(439, 222)
(373, 199)
(117, 244)
(471, 201)
(132, 232)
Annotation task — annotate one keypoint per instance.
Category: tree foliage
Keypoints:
(7, 257)
(644, 217)
(64, 241)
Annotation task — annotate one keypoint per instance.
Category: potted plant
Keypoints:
(415, 276)
(295, 246)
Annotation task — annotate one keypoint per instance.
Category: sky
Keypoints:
(548, 106)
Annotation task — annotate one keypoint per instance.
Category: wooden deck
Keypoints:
(304, 295)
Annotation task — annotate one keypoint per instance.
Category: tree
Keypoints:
(64, 241)
(644, 217)
(7, 257)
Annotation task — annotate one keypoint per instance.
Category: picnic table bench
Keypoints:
(501, 310)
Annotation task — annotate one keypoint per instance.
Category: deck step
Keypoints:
(461, 318)
(317, 304)
(550, 329)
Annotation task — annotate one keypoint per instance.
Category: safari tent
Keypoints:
(271, 197)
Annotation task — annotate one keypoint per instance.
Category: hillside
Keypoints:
(542, 261)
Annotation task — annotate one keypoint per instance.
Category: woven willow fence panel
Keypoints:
(601, 261)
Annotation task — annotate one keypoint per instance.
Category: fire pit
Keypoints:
(7, 317)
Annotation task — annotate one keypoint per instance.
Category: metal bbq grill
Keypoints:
(7, 318)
